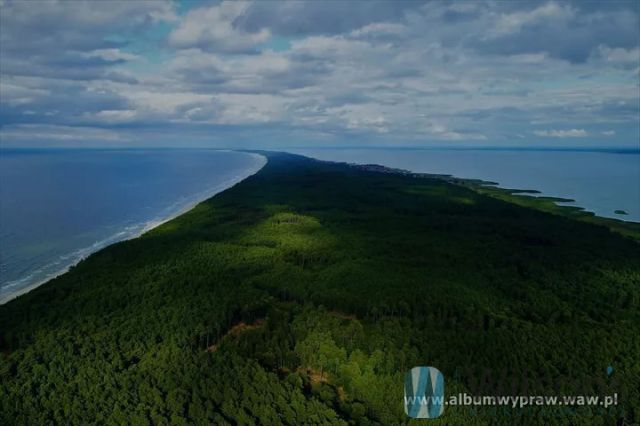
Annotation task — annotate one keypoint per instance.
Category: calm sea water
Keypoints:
(58, 206)
(599, 181)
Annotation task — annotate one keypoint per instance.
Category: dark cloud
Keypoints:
(297, 19)
(565, 32)
(74, 25)
(63, 39)
(53, 102)
(318, 71)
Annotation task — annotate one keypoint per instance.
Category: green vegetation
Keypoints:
(550, 205)
(303, 294)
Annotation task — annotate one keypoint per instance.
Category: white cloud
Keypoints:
(572, 133)
(333, 47)
(618, 55)
(609, 133)
(380, 28)
(441, 132)
(251, 109)
(212, 28)
(111, 55)
(509, 23)
(15, 94)
(47, 132)
(161, 102)
(457, 72)
(115, 116)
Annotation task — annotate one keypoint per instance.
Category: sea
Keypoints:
(600, 180)
(58, 206)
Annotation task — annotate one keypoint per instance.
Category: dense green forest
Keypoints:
(303, 294)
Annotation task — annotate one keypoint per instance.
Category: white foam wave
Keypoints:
(45, 273)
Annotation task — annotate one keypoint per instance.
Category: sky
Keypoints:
(319, 74)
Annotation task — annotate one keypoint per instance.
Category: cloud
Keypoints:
(320, 72)
(380, 29)
(74, 40)
(617, 56)
(514, 22)
(296, 19)
(78, 26)
(213, 29)
(572, 133)
(568, 31)
(45, 132)
(111, 55)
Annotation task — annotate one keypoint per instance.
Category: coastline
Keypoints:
(300, 243)
(82, 253)
(554, 174)
(529, 198)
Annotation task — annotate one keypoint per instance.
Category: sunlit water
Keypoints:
(58, 206)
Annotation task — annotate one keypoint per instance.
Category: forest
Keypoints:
(303, 294)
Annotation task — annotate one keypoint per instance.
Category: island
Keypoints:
(303, 294)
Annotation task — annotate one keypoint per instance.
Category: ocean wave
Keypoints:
(65, 261)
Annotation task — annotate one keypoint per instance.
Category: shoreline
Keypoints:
(448, 163)
(289, 246)
(533, 194)
(146, 227)
(524, 197)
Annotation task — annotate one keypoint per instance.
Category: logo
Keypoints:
(423, 393)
